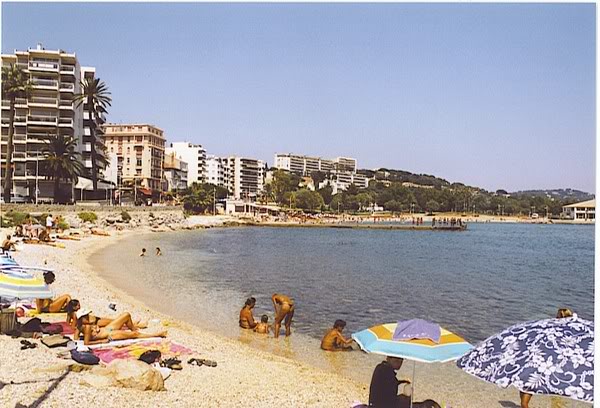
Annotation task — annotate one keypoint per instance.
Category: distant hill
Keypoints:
(402, 176)
(563, 194)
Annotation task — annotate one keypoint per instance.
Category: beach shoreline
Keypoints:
(270, 379)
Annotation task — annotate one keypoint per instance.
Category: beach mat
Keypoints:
(35, 313)
(118, 343)
(133, 351)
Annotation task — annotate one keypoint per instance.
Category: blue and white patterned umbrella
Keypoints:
(552, 356)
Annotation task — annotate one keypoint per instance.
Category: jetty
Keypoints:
(401, 227)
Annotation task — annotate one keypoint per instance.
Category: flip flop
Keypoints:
(195, 361)
(209, 363)
(171, 363)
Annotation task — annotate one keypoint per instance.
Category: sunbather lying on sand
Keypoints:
(92, 334)
(56, 305)
(73, 306)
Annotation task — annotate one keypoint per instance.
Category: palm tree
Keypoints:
(15, 83)
(95, 94)
(62, 161)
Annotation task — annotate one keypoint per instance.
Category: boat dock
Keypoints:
(400, 227)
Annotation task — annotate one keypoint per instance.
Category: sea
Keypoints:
(475, 282)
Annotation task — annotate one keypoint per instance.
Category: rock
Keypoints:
(111, 220)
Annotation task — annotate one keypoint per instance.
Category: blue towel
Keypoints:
(417, 329)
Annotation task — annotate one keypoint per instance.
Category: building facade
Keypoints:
(246, 177)
(140, 150)
(585, 210)
(48, 111)
(176, 173)
(195, 157)
(217, 171)
(341, 180)
(302, 165)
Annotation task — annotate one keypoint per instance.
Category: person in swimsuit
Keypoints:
(246, 318)
(333, 339)
(158, 251)
(284, 310)
(73, 306)
(263, 327)
(52, 305)
(87, 324)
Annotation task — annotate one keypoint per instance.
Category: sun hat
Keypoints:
(82, 312)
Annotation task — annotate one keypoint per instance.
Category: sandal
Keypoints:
(195, 361)
(171, 363)
(27, 345)
(208, 363)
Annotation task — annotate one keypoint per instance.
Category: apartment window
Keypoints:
(128, 160)
(138, 162)
(128, 149)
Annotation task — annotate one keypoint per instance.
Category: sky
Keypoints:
(499, 96)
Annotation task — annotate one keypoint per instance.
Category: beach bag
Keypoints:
(8, 321)
(32, 325)
(56, 340)
(150, 356)
(84, 357)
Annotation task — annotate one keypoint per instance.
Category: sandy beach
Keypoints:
(245, 376)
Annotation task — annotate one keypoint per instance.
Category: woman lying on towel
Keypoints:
(92, 334)
(73, 306)
(56, 305)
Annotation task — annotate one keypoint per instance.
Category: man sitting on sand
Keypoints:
(246, 318)
(333, 339)
(284, 309)
(87, 324)
(383, 392)
(8, 245)
(263, 327)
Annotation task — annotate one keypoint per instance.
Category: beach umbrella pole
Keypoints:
(412, 385)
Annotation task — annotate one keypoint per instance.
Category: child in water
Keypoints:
(263, 327)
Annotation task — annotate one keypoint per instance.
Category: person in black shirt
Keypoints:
(383, 392)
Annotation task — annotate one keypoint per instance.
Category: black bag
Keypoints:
(32, 325)
(150, 356)
(84, 357)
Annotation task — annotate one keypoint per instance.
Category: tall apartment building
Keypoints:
(217, 171)
(48, 111)
(246, 176)
(305, 165)
(176, 172)
(195, 156)
(140, 150)
(345, 164)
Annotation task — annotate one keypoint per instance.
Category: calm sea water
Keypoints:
(474, 283)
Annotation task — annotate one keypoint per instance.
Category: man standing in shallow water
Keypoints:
(284, 309)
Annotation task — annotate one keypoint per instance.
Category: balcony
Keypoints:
(65, 122)
(43, 65)
(67, 69)
(65, 104)
(43, 102)
(44, 83)
(36, 137)
(67, 87)
(19, 120)
(42, 120)
(19, 103)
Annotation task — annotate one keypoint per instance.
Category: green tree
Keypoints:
(95, 94)
(198, 198)
(318, 177)
(61, 161)
(393, 206)
(283, 183)
(364, 200)
(327, 194)
(15, 84)
(432, 205)
(309, 200)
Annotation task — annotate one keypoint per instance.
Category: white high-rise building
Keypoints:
(195, 156)
(217, 171)
(305, 165)
(246, 176)
(48, 111)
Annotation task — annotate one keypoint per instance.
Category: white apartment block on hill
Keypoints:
(48, 111)
(195, 156)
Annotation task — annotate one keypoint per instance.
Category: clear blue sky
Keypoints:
(497, 96)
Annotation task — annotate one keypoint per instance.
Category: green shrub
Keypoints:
(17, 218)
(63, 225)
(125, 216)
(88, 216)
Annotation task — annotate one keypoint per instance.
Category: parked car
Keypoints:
(15, 198)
